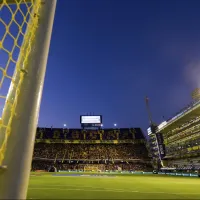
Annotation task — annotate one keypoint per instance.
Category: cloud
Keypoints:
(192, 73)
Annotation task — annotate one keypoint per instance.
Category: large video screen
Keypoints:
(91, 119)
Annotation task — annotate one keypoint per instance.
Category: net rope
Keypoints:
(19, 20)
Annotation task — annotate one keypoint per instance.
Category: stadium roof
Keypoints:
(183, 117)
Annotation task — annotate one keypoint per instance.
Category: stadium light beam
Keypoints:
(115, 125)
(65, 125)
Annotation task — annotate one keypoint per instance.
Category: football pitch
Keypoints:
(74, 186)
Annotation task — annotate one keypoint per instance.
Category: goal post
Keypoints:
(94, 168)
(22, 101)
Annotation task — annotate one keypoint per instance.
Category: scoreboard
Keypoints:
(91, 121)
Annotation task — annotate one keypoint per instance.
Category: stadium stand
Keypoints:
(90, 150)
(181, 136)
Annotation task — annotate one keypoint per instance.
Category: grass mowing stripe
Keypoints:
(45, 188)
(122, 187)
(77, 186)
(110, 190)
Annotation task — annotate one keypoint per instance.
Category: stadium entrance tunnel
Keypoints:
(52, 169)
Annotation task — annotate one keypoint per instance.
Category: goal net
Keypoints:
(18, 23)
(94, 168)
(25, 32)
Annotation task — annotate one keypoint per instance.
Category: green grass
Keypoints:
(47, 186)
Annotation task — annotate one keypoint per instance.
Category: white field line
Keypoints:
(80, 186)
(78, 189)
(109, 190)
(85, 176)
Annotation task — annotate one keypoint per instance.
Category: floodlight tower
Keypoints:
(153, 138)
(148, 110)
(151, 123)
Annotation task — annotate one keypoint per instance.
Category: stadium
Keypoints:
(179, 140)
(90, 150)
(89, 162)
(90, 157)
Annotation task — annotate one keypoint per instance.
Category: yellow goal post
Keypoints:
(25, 34)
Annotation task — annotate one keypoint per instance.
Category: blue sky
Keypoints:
(107, 55)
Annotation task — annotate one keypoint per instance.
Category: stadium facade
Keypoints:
(90, 150)
(175, 143)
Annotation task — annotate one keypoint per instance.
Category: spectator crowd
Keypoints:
(48, 165)
(90, 151)
(125, 157)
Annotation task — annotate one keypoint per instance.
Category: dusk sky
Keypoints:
(107, 55)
